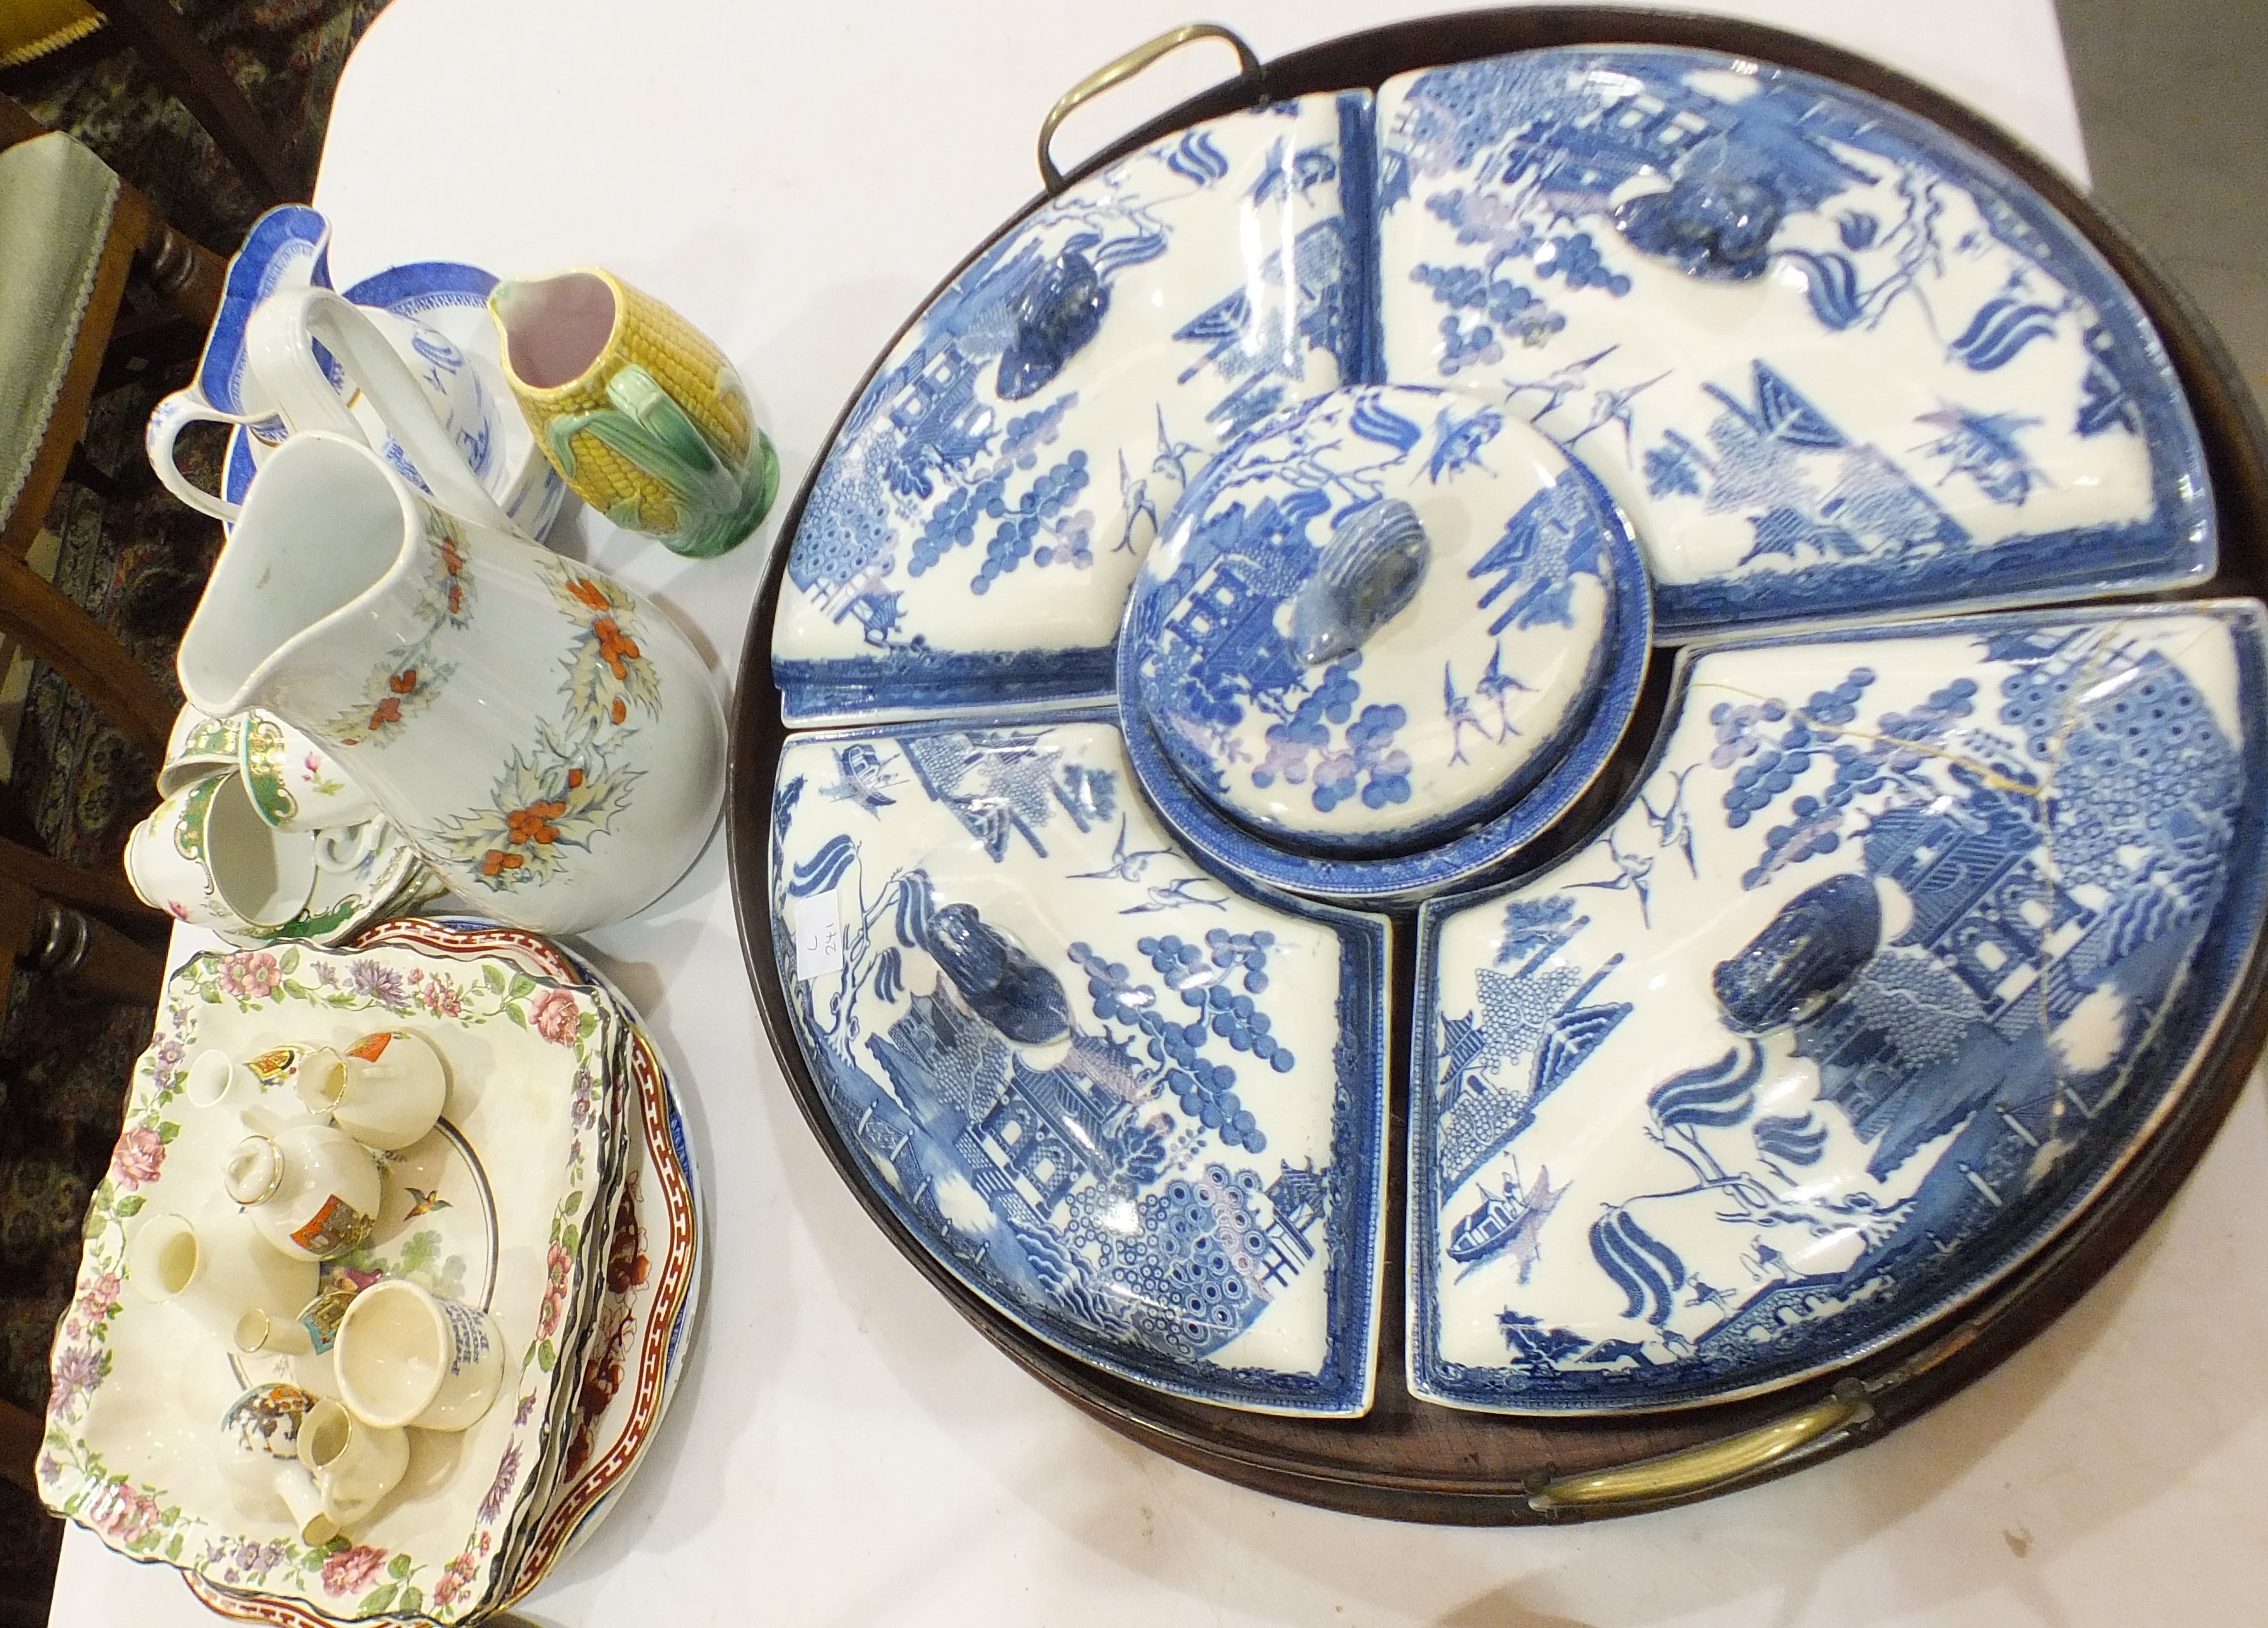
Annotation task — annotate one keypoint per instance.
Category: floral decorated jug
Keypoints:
(549, 741)
(638, 412)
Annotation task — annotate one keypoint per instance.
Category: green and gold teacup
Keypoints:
(295, 783)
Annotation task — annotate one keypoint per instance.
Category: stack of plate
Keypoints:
(555, 1192)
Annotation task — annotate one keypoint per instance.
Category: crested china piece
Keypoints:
(550, 742)
(645, 1322)
(1904, 944)
(653, 1259)
(313, 1192)
(969, 539)
(353, 1465)
(505, 1205)
(384, 1090)
(1371, 626)
(1138, 1111)
(408, 1357)
(1832, 361)
(214, 1268)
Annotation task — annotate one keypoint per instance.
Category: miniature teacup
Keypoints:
(311, 1190)
(260, 1451)
(294, 783)
(385, 1090)
(405, 1356)
(215, 1269)
(216, 1079)
(198, 748)
(354, 1462)
(206, 856)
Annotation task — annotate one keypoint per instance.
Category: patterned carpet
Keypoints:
(136, 559)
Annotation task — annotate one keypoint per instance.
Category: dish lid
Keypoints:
(1378, 618)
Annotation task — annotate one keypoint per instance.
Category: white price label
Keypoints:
(818, 937)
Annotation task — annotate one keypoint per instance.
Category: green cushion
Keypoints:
(56, 202)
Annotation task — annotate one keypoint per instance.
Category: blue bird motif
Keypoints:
(865, 779)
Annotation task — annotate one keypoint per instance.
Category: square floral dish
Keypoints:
(644, 1328)
(128, 1451)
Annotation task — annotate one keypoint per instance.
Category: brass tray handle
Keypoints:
(1247, 67)
(1713, 1465)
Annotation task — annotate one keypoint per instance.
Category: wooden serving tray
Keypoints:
(1410, 1460)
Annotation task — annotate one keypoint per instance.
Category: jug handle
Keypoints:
(172, 415)
(278, 339)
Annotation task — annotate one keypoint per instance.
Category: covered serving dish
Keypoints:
(1603, 602)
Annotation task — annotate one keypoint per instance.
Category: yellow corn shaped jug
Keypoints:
(638, 412)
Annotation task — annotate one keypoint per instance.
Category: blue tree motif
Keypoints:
(1205, 979)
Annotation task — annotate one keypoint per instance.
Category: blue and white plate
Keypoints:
(1140, 1112)
(1832, 361)
(969, 540)
(1905, 945)
(449, 299)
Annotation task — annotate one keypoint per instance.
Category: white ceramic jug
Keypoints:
(549, 741)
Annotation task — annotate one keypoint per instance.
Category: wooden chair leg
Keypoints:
(170, 48)
(52, 626)
(105, 890)
(187, 276)
(88, 959)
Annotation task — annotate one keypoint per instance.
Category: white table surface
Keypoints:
(844, 1449)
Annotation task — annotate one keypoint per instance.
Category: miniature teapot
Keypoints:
(550, 742)
(385, 1090)
(260, 1453)
(215, 1269)
(311, 1190)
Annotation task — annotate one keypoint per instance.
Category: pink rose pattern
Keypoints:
(130, 1516)
(353, 1570)
(126, 1514)
(251, 975)
(555, 1016)
(558, 1265)
(139, 1156)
